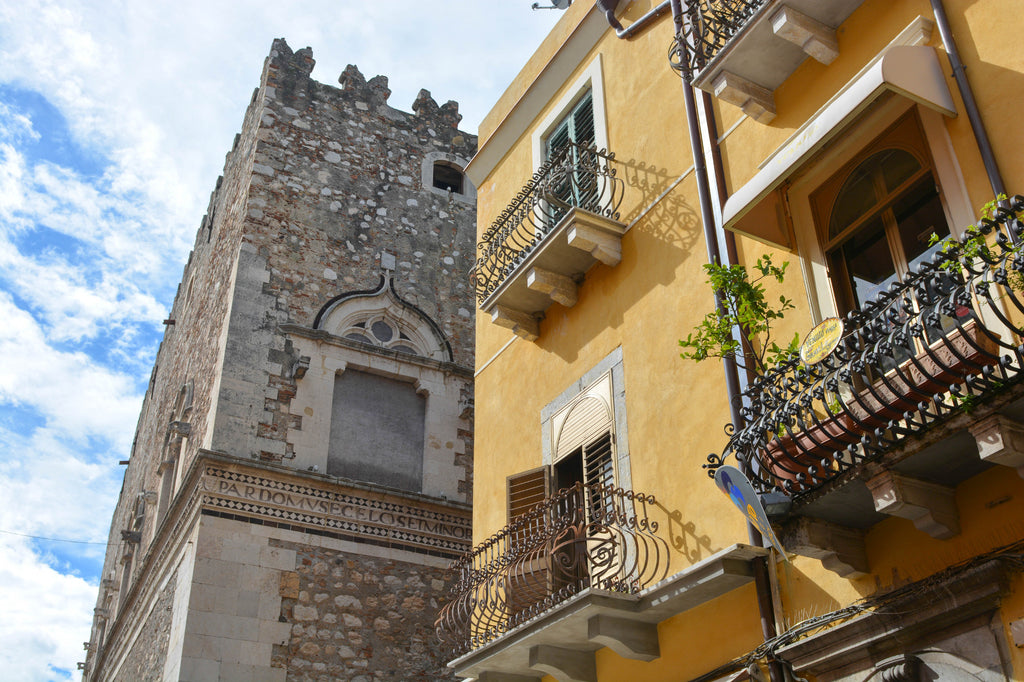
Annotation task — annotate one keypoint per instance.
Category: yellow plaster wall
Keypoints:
(693, 643)
(676, 409)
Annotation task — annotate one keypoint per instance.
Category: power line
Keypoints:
(39, 537)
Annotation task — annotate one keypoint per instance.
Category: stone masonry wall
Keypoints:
(337, 195)
(319, 184)
(360, 619)
(146, 660)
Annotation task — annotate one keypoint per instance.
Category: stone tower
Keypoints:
(302, 469)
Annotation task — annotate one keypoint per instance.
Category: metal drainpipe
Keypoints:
(642, 22)
(995, 178)
(762, 584)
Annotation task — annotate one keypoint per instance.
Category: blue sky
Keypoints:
(115, 116)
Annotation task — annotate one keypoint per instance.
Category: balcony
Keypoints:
(560, 224)
(922, 392)
(742, 50)
(583, 569)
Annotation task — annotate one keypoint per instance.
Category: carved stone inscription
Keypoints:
(347, 511)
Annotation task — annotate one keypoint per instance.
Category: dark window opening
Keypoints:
(448, 176)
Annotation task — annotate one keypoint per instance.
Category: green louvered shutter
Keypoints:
(578, 187)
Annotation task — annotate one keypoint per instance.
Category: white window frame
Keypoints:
(591, 79)
(955, 201)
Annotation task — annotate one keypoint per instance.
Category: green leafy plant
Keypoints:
(975, 245)
(743, 303)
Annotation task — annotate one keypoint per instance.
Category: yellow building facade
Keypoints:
(835, 136)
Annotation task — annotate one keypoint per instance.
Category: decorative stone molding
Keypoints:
(903, 669)
(354, 512)
(930, 506)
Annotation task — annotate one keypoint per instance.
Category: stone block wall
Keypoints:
(360, 619)
(234, 604)
(341, 193)
(146, 661)
(269, 604)
(324, 191)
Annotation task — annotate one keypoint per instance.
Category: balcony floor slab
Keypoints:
(757, 54)
(563, 253)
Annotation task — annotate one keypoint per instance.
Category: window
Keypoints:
(581, 429)
(442, 173)
(381, 330)
(875, 216)
(382, 319)
(379, 397)
(448, 177)
(566, 149)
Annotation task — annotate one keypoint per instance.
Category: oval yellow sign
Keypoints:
(821, 340)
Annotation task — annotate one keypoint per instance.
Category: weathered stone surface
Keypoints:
(376, 622)
(325, 190)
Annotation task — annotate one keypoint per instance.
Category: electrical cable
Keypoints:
(40, 537)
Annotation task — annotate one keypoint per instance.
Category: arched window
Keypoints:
(448, 177)
(876, 216)
(382, 319)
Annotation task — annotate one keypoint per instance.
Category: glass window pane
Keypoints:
(855, 199)
(869, 262)
(382, 330)
(897, 166)
(919, 215)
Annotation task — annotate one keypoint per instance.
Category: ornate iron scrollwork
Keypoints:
(574, 177)
(922, 351)
(582, 537)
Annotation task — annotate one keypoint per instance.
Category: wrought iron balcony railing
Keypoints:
(709, 26)
(941, 343)
(574, 177)
(582, 537)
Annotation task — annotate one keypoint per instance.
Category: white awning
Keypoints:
(911, 71)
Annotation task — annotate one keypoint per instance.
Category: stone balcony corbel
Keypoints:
(628, 638)
(565, 665)
(1000, 441)
(840, 549)
(756, 101)
(930, 506)
(523, 325)
(810, 35)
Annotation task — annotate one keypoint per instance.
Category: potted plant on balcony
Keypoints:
(796, 437)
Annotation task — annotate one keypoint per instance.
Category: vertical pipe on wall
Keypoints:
(762, 584)
(995, 178)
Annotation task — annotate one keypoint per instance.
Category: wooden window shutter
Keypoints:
(526, 490)
(583, 121)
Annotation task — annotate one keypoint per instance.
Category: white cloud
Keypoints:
(47, 489)
(78, 398)
(152, 93)
(47, 615)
